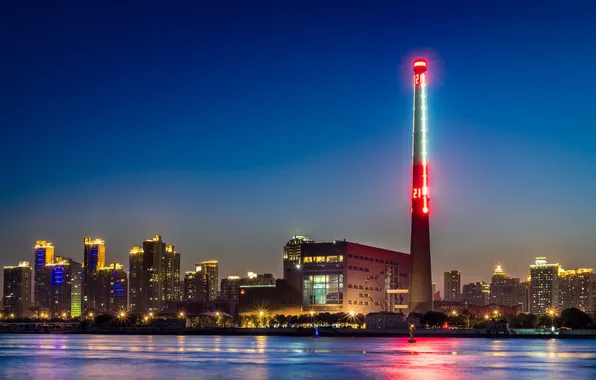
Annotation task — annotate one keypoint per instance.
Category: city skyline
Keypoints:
(316, 119)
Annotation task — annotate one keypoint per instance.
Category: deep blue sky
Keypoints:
(229, 126)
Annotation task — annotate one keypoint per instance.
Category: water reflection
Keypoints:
(180, 357)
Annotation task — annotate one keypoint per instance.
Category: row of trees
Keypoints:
(304, 320)
(570, 318)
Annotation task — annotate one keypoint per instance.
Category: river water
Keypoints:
(114, 357)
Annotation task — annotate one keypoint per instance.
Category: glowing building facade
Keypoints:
(154, 275)
(421, 283)
(577, 288)
(544, 286)
(506, 291)
(17, 290)
(207, 280)
(65, 287)
(94, 258)
(43, 255)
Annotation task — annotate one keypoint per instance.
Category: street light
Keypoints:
(64, 315)
(181, 315)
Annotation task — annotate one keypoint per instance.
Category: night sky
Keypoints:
(227, 127)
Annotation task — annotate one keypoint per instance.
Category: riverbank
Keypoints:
(345, 332)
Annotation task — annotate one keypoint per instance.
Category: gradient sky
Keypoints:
(227, 127)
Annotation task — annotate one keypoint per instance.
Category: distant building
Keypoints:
(504, 290)
(65, 288)
(94, 258)
(452, 285)
(43, 255)
(544, 286)
(525, 295)
(208, 277)
(154, 275)
(292, 255)
(577, 289)
(231, 286)
(280, 299)
(117, 286)
(190, 286)
(476, 293)
(17, 289)
(342, 276)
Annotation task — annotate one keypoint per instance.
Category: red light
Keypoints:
(425, 210)
(419, 63)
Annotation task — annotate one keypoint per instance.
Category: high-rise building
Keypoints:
(476, 293)
(577, 289)
(504, 290)
(291, 261)
(154, 275)
(190, 286)
(207, 276)
(44, 254)
(65, 287)
(421, 297)
(117, 286)
(452, 285)
(94, 258)
(136, 274)
(230, 288)
(17, 289)
(544, 286)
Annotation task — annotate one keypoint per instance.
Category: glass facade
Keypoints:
(323, 289)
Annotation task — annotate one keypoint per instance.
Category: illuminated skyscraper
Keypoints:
(207, 276)
(421, 282)
(94, 258)
(544, 286)
(452, 285)
(44, 254)
(504, 290)
(154, 276)
(577, 289)
(230, 288)
(136, 280)
(116, 283)
(65, 288)
(17, 289)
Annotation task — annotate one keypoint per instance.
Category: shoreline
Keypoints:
(323, 333)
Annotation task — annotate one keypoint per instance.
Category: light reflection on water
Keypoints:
(50, 357)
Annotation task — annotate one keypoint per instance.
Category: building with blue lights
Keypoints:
(43, 255)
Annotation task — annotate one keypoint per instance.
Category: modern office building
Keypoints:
(421, 297)
(17, 290)
(154, 275)
(577, 289)
(544, 285)
(94, 258)
(43, 254)
(504, 290)
(452, 282)
(476, 293)
(292, 254)
(342, 276)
